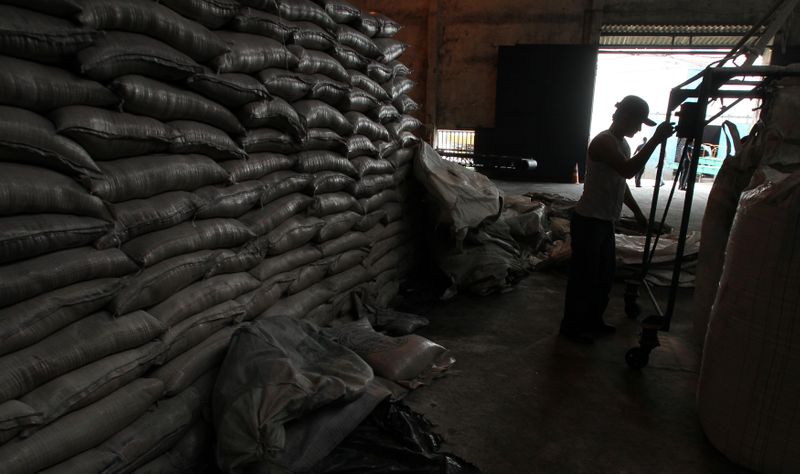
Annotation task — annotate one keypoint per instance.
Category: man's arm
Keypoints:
(604, 148)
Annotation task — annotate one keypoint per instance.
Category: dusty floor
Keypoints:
(521, 399)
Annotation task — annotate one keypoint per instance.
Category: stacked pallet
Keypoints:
(206, 163)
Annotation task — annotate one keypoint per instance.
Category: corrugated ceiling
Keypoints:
(672, 36)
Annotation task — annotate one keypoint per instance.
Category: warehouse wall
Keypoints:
(454, 42)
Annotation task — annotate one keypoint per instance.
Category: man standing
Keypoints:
(638, 178)
(608, 165)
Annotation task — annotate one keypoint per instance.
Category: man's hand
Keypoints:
(663, 131)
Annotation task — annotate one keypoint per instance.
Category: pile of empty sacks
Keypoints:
(171, 171)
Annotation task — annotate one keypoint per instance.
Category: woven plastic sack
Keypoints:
(155, 99)
(31, 189)
(59, 8)
(231, 90)
(22, 280)
(337, 225)
(369, 25)
(317, 62)
(28, 138)
(327, 90)
(291, 86)
(362, 81)
(390, 49)
(332, 203)
(202, 234)
(118, 53)
(307, 276)
(380, 72)
(40, 88)
(341, 11)
(251, 53)
(155, 20)
(144, 96)
(235, 261)
(268, 140)
(189, 454)
(345, 261)
(747, 392)
(407, 140)
(203, 295)
(92, 382)
(144, 439)
(257, 22)
(373, 203)
(182, 371)
(210, 13)
(108, 135)
(367, 166)
(405, 104)
(363, 125)
(275, 113)
(350, 58)
(399, 69)
(276, 370)
(203, 139)
(312, 36)
(324, 139)
(30, 235)
(187, 334)
(80, 430)
(318, 114)
(25, 323)
(406, 123)
(228, 201)
(401, 157)
(260, 300)
(372, 185)
(370, 220)
(39, 37)
(146, 176)
(305, 10)
(316, 161)
(358, 100)
(358, 145)
(399, 359)
(257, 165)
(348, 241)
(385, 113)
(388, 27)
(383, 247)
(394, 211)
(330, 182)
(141, 216)
(78, 344)
(357, 40)
(157, 283)
(294, 232)
(263, 220)
(283, 183)
(286, 262)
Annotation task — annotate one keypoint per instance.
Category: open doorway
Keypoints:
(651, 75)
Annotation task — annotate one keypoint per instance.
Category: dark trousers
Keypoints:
(638, 178)
(591, 272)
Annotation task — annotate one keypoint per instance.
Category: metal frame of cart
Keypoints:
(718, 81)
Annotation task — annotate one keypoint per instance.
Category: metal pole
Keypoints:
(652, 218)
(705, 92)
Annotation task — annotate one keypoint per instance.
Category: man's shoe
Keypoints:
(581, 337)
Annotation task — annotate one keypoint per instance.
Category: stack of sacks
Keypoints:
(205, 164)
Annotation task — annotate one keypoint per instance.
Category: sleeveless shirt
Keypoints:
(603, 188)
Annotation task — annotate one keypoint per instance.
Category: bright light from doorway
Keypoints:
(652, 76)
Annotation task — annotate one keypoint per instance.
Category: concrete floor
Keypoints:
(520, 399)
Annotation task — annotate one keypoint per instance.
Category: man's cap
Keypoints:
(636, 108)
